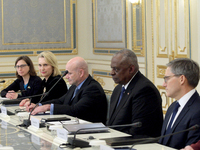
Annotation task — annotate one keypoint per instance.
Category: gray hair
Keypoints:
(129, 57)
(186, 67)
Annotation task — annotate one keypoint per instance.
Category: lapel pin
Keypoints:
(29, 87)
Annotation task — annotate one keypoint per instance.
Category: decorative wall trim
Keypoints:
(161, 71)
(102, 73)
(7, 75)
(53, 30)
(153, 53)
(33, 52)
(162, 29)
(104, 78)
(109, 26)
(181, 23)
(138, 28)
(165, 99)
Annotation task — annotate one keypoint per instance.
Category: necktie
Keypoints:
(75, 91)
(121, 94)
(171, 121)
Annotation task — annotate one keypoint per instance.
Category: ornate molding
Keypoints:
(161, 71)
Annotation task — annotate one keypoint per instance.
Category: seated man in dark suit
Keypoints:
(140, 102)
(85, 98)
(181, 78)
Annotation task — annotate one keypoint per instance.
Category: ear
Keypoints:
(81, 72)
(132, 69)
(182, 79)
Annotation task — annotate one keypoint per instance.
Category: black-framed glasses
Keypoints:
(166, 78)
(21, 66)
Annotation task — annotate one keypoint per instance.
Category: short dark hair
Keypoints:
(186, 67)
(129, 57)
(29, 62)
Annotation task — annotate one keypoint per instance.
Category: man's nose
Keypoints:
(112, 72)
(66, 76)
(164, 84)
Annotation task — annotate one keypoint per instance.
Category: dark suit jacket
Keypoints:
(58, 90)
(34, 87)
(89, 103)
(141, 102)
(189, 116)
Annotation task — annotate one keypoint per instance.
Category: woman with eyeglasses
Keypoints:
(27, 82)
(48, 68)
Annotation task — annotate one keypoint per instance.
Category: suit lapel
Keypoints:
(115, 98)
(121, 104)
(129, 91)
(180, 117)
(185, 110)
(165, 125)
(69, 95)
(167, 116)
(76, 99)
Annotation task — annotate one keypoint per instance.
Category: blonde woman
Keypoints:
(48, 68)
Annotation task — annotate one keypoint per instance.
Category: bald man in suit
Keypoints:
(85, 98)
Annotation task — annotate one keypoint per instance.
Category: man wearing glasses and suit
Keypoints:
(181, 78)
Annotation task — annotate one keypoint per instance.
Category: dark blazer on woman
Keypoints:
(89, 103)
(141, 102)
(58, 90)
(34, 87)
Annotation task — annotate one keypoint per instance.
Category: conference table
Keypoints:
(21, 138)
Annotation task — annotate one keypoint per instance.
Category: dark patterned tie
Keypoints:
(121, 94)
(171, 121)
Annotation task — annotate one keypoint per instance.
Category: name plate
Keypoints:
(3, 110)
(35, 122)
(62, 133)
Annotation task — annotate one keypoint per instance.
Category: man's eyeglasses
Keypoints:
(21, 66)
(166, 78)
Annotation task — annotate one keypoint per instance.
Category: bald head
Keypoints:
(78, 70)
(78, 63)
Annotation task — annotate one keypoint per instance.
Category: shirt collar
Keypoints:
(125, 86)
(183, 100)
(79, 86)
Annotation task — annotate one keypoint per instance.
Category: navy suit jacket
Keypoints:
(89, 103)
(189, 116)
(141, 102)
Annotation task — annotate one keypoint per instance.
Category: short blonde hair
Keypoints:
(51, 59)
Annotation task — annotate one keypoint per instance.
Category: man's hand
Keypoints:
(25, 102)
(30, 107)
(42, 108)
